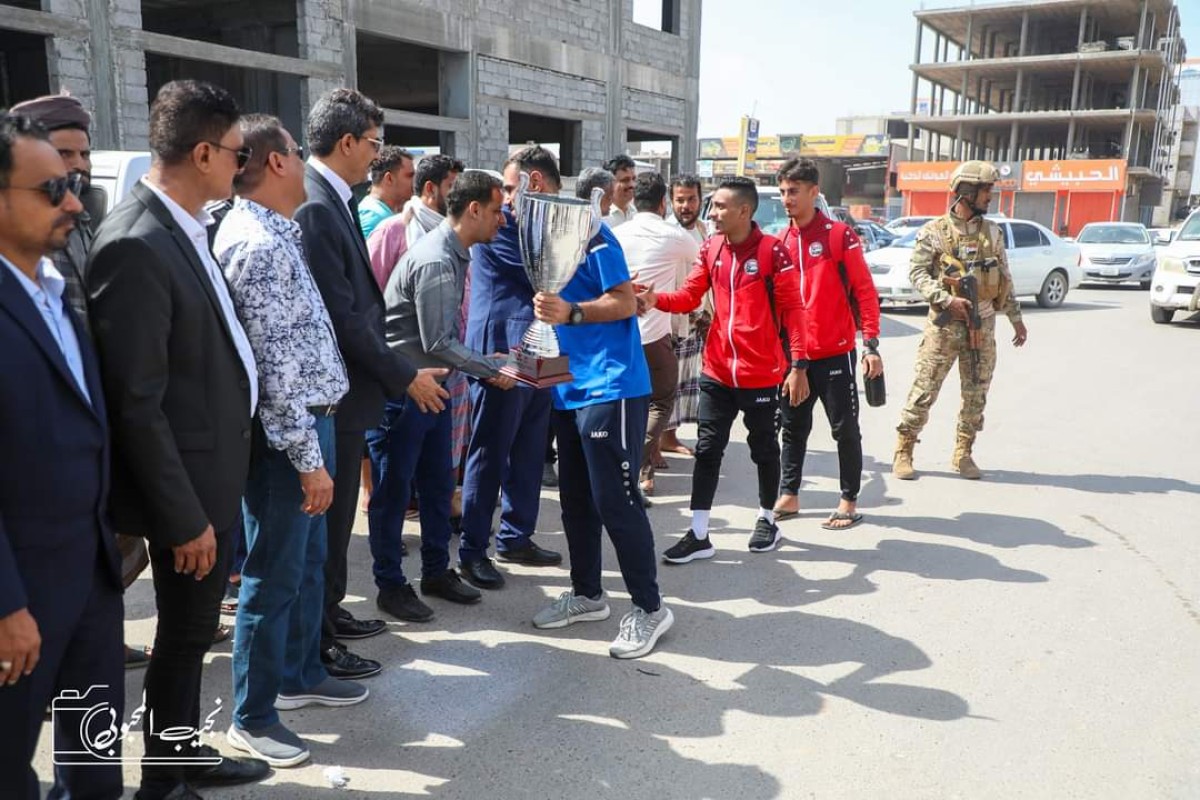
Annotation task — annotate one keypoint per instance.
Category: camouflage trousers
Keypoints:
(940, 348)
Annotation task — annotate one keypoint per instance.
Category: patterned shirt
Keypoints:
(299, 364)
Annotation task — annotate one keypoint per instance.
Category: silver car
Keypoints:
(1117, 252)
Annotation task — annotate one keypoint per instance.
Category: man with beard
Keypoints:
(690, 329)
(426, 209)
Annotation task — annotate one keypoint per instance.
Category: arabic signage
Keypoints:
(1094, 175)
(794, 146)
(925, 176)
(748, 146)
(1010, 176)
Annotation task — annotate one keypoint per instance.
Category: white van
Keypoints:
(114, 172)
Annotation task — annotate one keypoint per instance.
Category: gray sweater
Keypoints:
(424, 298)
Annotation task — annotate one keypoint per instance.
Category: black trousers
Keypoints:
(719, 407)
(339, 519)
(188, 612)
(77, 607)
(832, 381)
(599, 448)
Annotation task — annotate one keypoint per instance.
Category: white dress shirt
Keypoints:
(195, 229)
(618, 217)
(659, 255)
(337, 182)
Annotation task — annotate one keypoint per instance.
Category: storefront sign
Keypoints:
(925, 176)
(1089, 175)
(748, 146)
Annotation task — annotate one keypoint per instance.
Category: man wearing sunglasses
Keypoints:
(60, 580)
(182, 386)
(344, 130)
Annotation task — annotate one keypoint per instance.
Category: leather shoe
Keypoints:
(482, 574)
(402, 603)
(230, 772)
(348, 627)
(449, 586)
(533, 555)
(341, 663)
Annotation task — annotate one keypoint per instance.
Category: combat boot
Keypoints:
(902, 462)
(962, 461)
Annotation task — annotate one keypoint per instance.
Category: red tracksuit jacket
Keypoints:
(830, 329)
(742, 350)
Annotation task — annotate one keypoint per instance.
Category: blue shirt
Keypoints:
(371, 212)
(501, 304)
(606, 357)
(47, 293)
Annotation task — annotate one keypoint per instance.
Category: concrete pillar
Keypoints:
(614, 123)
(319, 25)
(912, 130)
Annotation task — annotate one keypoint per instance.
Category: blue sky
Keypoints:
(801, 64)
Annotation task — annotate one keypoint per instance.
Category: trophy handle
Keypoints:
(597, 214)
(522, 188)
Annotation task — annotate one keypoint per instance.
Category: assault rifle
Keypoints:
(963, 283)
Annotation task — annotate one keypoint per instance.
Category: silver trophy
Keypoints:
(554, 233)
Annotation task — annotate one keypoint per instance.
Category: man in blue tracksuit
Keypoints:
(600, 421)
(508, 428)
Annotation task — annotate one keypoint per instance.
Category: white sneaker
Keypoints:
(640, 632)
(570, 608)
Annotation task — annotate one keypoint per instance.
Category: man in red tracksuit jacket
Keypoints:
(755, 287)
(818, 245)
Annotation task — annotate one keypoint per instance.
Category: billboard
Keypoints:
(795, 145)
(748, 146)
(1089, 175)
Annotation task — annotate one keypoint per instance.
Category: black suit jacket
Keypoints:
(338, 258)
(54, 469)
(178, 394)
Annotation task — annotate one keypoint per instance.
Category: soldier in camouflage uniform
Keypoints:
(960, 242)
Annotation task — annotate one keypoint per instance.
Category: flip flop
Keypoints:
(681, 449)
(839, 516)
(781, 515)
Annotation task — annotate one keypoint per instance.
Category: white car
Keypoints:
(114, 172)
(1176, 282)
(1117, 252)
(902, 225)
(1043, 266)
(771, 216)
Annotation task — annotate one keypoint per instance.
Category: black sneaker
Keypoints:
(765, 537)
(689, 548)
(402, 603)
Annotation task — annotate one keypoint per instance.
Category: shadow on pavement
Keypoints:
(997, 530)
(1101, 484)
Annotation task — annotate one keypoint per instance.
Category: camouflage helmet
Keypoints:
(973, 172)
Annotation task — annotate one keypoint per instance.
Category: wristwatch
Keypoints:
(871, 344)
(576, 315)
(800, 363)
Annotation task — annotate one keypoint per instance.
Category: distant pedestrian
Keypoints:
(624, 171)
(391, 186)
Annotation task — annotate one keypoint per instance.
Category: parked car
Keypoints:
(114, 172)
(1116, 252)
(874, 235)
(841, 214)
(902, 225)
(1162, 236)
(1176, 282)
(1043, 266)
(771, 215)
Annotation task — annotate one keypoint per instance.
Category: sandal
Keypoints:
(841, 516)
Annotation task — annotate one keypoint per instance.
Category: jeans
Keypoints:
(831, 381)
(277, 646)
(599, 448)
(410, 444)
(719, 407)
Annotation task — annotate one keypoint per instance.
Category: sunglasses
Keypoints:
(56, 189)
(298, 150)
(242, 154)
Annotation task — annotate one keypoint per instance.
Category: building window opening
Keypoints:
(24, 73)
(560, 136)
(661, 15)
(264, 26)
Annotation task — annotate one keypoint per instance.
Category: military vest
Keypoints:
(974, 250)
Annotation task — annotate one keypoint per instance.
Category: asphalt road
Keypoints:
(1033, 635)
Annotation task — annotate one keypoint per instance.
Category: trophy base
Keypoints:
(539, 372)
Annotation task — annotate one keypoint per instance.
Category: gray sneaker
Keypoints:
(329, 692)
(275, 745)
(570, 608)
(640, 631)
